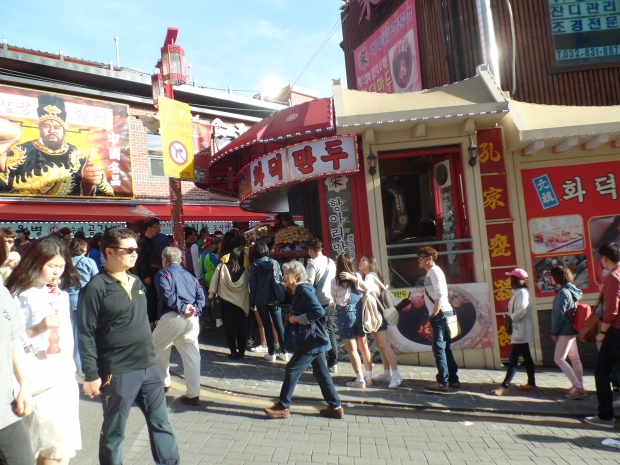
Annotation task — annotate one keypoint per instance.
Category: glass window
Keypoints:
(585, 33)
(156, 161)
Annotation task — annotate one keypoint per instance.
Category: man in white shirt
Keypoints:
(191, 251)
(436, 300)
(315, 270)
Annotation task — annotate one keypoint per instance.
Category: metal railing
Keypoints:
(420, 244)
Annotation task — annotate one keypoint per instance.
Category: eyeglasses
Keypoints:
(128, 250)
(421, 257)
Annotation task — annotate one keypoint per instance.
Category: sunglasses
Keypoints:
(422, 257)
(128, 250)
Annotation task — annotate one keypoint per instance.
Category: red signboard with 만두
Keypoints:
(571, 211)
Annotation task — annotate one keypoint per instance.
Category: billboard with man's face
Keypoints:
(55, 145)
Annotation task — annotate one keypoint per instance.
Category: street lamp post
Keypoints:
(171, 68)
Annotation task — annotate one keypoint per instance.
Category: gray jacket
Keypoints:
(565, 301)
(520, 310)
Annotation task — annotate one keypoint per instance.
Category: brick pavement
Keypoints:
(222, 433)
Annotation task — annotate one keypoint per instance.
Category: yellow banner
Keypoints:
(176, 139)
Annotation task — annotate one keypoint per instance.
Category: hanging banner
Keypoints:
(54, 145)
(571, 211)
(176, 139)
(340, 226)
(201, 135)
(389, 60)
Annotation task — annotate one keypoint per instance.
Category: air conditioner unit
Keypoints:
(442, 174)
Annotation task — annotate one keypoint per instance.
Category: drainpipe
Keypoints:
(490, 55)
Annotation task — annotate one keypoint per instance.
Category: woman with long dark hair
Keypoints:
(562, 331)
(225, 247)
(349, 308)
(230, 283)
(373, 282)
(94, 251)
(38, 286)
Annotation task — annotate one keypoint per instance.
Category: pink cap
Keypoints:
(518, 272)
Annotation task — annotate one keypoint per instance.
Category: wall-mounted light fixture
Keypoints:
(372, 163)
(473, 152)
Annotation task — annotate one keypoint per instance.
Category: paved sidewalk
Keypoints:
(257, 377)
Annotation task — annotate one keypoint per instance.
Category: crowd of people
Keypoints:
(109, 310)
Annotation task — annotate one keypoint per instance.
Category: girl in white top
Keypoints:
(349, 308)
(36, 285)
(369, 271)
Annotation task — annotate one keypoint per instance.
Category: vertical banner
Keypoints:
(339, 209)
(389, 60)
(177, 142)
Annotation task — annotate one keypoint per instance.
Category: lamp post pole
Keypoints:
(176, 194)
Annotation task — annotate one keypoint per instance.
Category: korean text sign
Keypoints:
(63, 146)
(176, 139)
(571, 211)
(334, 155)
(389, 61)
(339, 208)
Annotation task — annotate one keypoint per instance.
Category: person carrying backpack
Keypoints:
(562, 331)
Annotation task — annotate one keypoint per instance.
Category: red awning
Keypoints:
(114, 212)
(302, 121)
(68, 211)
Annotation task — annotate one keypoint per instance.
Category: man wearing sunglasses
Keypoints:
(118, 359)
(436, 300)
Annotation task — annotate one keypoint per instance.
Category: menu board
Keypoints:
(571, 211)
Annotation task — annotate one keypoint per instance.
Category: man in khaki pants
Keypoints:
(180, 299)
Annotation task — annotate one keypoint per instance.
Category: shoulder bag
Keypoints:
(279, 292)
(452, 322)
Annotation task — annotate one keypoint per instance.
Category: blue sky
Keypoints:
(247, 44)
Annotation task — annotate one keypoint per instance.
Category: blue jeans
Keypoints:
(517, 350)
(296, 366)
(273, 314)
(446, 365)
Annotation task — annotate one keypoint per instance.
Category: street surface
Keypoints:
(392, 427)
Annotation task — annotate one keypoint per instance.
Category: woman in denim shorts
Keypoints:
(349, 307)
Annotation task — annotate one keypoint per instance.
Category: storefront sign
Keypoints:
(495, 197)
(571, 211)
(501, 245)
(473, 310)
(334, 155)
(341, 230)
(491, 151)
(389, 61)
(63, 146)
(585, 32)
(176, 139)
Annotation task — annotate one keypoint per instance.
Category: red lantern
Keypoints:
(173, 65)
(157, 86)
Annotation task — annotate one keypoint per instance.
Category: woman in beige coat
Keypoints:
(230, 283)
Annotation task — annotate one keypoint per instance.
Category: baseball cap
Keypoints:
(518, 272)
(208, 241)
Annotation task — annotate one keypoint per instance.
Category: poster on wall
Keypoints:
(389, 60)
(473, 311)
(571, 211)
(201, 137)
(54, 145)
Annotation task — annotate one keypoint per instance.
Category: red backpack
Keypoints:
(581, 314)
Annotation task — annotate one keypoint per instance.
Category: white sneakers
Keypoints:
(395, 382)
(284, 357)
(333, 369)
(270, 358)
(259, 349)
(383, 378)
(277, 346)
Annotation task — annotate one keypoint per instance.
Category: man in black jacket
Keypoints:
(147, 271)
(116, 347)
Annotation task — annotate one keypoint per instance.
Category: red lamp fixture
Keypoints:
(173, 64)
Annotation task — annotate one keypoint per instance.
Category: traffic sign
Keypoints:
(176, 139)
